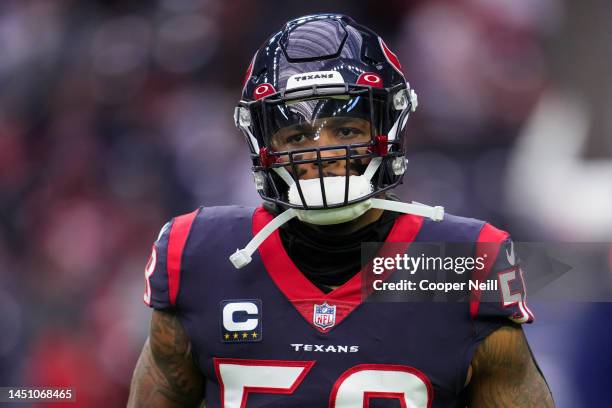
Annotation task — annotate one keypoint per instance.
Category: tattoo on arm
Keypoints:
(505, 374)
(165, 375)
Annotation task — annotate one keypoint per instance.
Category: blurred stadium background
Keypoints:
(117, 115)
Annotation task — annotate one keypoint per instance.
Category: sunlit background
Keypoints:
(117, 115)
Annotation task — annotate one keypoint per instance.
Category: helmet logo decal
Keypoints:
(263, 90)
(314, 78)
(370, 79)
(391, 57)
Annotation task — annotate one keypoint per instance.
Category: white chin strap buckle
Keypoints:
(240, 258)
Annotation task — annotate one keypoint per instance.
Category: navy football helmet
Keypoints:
(324, 72)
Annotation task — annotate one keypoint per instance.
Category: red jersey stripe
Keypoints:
(176, 243)
(488, 235)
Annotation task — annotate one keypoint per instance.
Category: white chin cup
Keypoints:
(334, 215)
(359, 186)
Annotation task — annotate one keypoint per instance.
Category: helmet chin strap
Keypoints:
(359, 186)
(243, 257)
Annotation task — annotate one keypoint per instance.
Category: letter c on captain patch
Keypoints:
(240, 316)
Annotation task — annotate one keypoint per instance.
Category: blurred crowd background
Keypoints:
(117, 115)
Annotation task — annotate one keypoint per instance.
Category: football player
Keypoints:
(284, 321)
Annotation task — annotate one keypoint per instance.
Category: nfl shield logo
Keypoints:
(324, 316)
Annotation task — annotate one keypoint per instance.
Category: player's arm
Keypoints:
(165, 375)
(504, 373)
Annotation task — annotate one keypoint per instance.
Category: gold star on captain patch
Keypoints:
(245, 335)
(235, 336)
(226, 336)
(254, 335)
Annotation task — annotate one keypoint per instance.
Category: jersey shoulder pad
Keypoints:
(452, 228)
(163, 269)
(205, 236)
(502, 268)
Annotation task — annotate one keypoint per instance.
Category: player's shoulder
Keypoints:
(219, 229)
(188, 241)
(204, 219)
(224, 211)
(207, 214)
(460, 229)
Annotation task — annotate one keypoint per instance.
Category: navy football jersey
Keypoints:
(265, 336)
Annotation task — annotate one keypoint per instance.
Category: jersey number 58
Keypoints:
(354, 388)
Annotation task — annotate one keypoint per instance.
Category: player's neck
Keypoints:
(370, 217)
